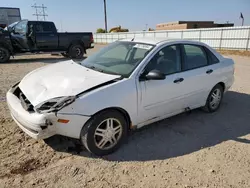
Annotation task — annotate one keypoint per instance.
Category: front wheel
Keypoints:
(4, 55)
(214, 99)
(104, 133)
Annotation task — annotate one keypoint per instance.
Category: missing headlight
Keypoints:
(47, 106)
(55, 104)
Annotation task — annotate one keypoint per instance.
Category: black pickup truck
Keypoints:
(40, 37)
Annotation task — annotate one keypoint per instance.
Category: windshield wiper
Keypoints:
(94, 68)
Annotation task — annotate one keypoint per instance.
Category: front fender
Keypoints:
(121, 94)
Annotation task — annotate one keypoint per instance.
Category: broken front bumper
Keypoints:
(32, 123)
(42, 126)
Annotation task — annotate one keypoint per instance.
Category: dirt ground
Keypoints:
(185, 151)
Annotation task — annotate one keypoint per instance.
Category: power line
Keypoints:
(40, 11)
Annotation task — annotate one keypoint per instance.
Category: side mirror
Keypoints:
(155, 75)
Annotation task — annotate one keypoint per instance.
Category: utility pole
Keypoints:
(105, 17)
(43, 7)
(242, 23)
(242, 17)
(36, 14)
(40, 11)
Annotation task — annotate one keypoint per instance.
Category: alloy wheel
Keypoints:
(108, 133)
(215, 98)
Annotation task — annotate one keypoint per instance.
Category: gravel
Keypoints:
(189, 150)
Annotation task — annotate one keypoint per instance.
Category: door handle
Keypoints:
(178, 80)
(209, 71)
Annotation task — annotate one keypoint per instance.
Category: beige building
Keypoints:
(190, 25)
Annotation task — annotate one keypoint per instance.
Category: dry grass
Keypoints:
(235, 52)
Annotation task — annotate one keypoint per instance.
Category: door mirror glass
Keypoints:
(155, 75)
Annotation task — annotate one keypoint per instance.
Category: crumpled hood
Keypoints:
(60, 79)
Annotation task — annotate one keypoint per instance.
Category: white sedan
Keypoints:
(126, 85)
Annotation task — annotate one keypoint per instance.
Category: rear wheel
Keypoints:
(104, 133)
(4, 55)
(76, 51)
(214, 99)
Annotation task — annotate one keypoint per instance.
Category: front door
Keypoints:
(19, 36)
(162, 97)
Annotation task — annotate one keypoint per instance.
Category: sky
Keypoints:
(88, 15)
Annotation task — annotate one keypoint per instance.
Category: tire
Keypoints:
(4, 55)
(209, 107)
(65, 55)
(76, 51)
(101, 145)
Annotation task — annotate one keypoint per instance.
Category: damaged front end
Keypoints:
(55, 104)
(51, 105)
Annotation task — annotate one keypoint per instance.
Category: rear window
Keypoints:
(211, 57)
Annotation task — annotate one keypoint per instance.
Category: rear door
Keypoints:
(46, 36)
(198, 75)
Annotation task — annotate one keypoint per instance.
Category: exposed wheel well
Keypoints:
(122, 111)
(222, 85)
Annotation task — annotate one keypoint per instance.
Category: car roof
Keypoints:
(35, 21)
(156, 40)
(161, 41)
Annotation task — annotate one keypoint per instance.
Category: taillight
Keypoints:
(91, 38)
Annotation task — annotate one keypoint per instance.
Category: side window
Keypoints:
(211, 57)
(21, 27)
(44, 27)
(167, 60)
(39, 28)
(194, 57)
(48, 27)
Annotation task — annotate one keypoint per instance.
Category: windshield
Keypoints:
(119, 58)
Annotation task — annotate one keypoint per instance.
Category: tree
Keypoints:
(100, 30)
(118, 29)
